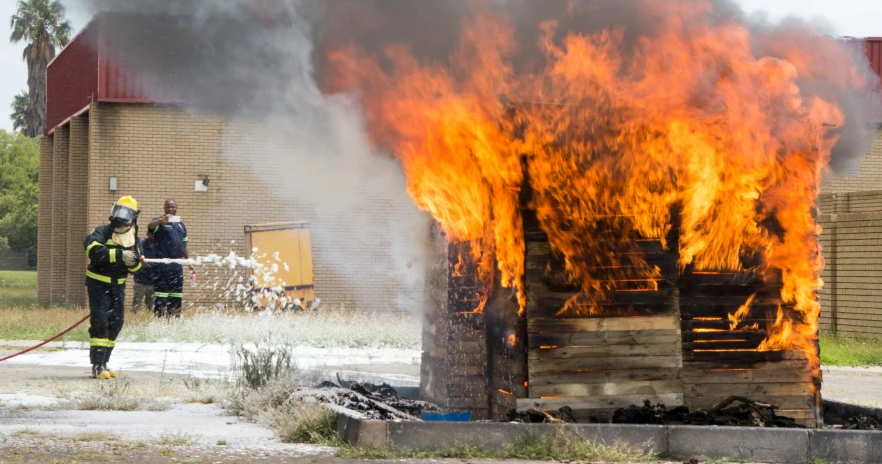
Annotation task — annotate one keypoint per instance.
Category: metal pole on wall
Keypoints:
(834, 244)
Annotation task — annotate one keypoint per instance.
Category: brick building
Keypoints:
(851, 218)
(103, 123)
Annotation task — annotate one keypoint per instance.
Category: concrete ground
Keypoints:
(857, 385)
(178, 421)
(42, 394)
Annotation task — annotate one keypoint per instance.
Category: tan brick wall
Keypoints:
(77, 210)
(869, 177)
(852, 295)
(58, 286)
(157, 152)
(44, 222)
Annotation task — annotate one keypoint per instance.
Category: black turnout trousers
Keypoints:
(106, 316)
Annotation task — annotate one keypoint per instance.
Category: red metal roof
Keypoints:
(95, 66)
(72, 78)
(874, 53)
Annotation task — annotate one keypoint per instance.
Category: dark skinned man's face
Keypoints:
(171, 208)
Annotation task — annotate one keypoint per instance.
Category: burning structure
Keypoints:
(626, 200)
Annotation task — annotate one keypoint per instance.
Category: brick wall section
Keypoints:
(852, 295)
(169, 148)
(869, 177)
(77, 210)
(14, 261)
(44, 222)
(60, 166)
(850, 202)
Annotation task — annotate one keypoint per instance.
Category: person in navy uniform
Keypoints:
(170, 238)
(144, 278)
(113, 254)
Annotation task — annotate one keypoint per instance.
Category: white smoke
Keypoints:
(251, 63)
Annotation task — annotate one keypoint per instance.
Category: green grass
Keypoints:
(842, 350)
(18, 288)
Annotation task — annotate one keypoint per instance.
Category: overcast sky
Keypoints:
(857, 18)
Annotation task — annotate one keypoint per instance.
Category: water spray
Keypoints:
(231, 260)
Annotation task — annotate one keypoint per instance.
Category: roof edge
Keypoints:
(74, 38)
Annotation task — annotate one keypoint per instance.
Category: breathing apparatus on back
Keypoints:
(124, 220)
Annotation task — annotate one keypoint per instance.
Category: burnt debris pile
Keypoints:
(380, 402)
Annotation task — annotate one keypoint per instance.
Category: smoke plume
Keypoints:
(252, 64)
(266, 62)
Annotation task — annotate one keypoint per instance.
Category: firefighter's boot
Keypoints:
(112, 372)
(99, 371)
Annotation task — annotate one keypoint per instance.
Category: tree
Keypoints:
(40, 24)
(19, 114)
(19, 191)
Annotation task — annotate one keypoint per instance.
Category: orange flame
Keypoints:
(741, 314)
(617, 134)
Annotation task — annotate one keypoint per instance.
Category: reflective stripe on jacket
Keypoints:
(106, 257)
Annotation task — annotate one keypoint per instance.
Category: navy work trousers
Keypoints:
(168, 284)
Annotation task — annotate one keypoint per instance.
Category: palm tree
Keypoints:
(40, 24)
(19, 114)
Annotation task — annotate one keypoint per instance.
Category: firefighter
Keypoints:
(170, 237)
(113, 253)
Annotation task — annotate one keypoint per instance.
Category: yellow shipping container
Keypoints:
(286, 244)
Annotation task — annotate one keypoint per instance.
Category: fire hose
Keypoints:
(182, 261)
(47, 341)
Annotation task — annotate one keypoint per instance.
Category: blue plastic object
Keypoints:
(446, 416)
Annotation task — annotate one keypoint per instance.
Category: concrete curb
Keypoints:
(772, 445)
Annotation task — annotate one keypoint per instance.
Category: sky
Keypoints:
(856, 18)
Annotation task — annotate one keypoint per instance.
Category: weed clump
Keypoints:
(306, 423)
(112, 395)
(263, 364)
(267, 377)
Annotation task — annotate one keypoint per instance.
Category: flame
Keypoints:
(615, 135)
(504, 392)
(511, 340)
(741, 314)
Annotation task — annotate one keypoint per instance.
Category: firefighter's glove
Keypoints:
(130, 258)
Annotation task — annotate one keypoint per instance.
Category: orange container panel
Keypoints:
(288, 247)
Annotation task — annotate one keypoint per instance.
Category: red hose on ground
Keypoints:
(47, 341)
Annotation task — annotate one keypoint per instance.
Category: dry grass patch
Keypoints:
(329, 328)
(204, 391)
(28, 433)
(175, 439)
(560, 447)
(96, 436)
(110, 395)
